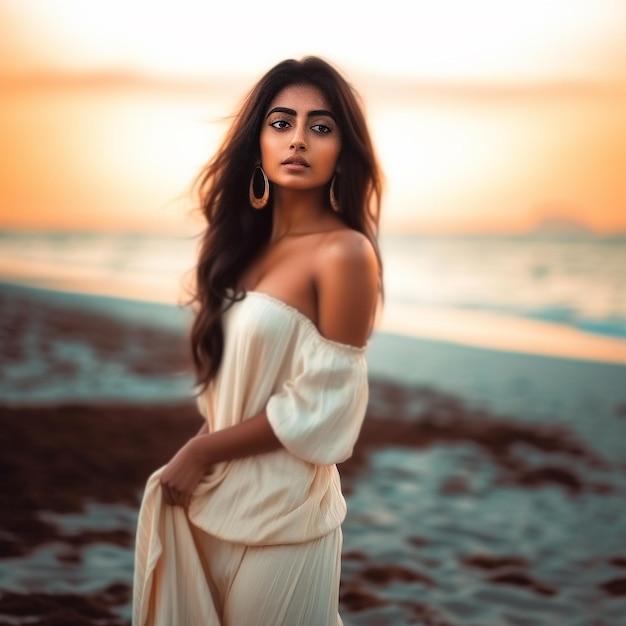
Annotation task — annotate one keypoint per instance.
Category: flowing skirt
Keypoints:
(196, 579)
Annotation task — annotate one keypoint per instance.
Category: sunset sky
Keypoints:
(487, 115)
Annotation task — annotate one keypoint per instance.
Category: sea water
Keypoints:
(575, 282)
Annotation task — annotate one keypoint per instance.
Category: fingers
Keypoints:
(174, 497)
(167, 494)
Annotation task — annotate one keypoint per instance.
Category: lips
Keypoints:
(296, 161)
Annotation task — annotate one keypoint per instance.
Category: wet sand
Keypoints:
(458, 514)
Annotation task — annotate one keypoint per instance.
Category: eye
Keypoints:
(280, 124)
(322, 129)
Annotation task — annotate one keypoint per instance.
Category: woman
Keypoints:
(243, 526)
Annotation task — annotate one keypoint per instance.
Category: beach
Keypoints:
(487, 487)
(488, 483)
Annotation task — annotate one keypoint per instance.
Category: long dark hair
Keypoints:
(235, 232)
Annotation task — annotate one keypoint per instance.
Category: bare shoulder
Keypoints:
(347, 285)
(347, 250)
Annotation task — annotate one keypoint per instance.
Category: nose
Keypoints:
(298, 144)
(297, 141)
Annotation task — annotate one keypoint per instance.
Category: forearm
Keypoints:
(251, 437)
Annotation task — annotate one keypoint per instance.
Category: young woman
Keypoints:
(243, 526)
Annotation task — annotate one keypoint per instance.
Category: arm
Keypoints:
(183, 473)
(251, 437)
(347, 290)
(318, 413)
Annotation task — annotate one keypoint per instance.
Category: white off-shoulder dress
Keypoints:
(273, 518)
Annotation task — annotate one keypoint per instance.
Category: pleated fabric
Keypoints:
(220, 583)
(295, 585)
(286, 502)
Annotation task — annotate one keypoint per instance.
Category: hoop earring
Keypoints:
(333, 200)
(259, 201)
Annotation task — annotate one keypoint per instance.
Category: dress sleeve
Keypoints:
(318, 413)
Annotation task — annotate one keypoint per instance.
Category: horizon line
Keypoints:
(111, 78)
(391, 231)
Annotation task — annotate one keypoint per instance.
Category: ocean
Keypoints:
(574, 283)
(580, 283)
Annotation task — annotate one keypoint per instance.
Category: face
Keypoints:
(300, 140)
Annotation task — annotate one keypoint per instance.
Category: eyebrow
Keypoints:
(293, 113)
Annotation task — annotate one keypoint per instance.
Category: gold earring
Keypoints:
(333, 200)
(259, 201)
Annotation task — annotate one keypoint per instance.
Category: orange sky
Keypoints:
(486, 118)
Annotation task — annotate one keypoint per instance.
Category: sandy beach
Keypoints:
(487, 487)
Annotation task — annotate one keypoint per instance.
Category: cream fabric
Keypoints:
(231, 584)
(315, 394)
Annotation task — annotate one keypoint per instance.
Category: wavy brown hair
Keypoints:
(235, 232)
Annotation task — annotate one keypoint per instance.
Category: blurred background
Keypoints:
(488, 486)
(501, 128)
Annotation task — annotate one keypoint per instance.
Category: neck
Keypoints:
(298, 212)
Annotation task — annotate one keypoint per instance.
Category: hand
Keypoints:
(182, 474)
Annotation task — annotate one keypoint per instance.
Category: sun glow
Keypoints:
(481, 113)
(445, 39)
